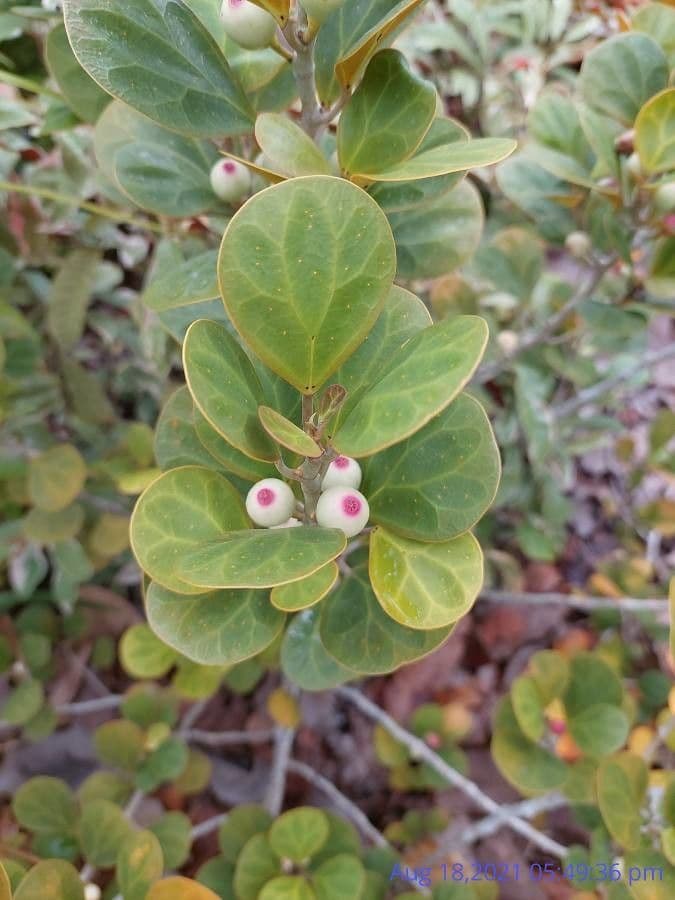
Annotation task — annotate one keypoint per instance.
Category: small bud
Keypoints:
(247, 24)
(664, 198)
(634, 167)
(342, 507)
(508, 341)
(342, 472)
(92, 891)
(270, 502)
(230, 180)
(578, 244)
(319, 10)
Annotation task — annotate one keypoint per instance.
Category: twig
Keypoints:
(134, 802)
(227, 738)
(348, 809)
(191, 715)
(422, 751)
(282, 751)
(526, 809)
(608, 604)
(207, 826)
(83, 707)
(595, 391)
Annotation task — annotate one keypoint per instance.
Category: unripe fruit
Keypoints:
(319, 10)
(289, 523)
(342, 507)
(270, 502)
(342, 472)
(92, 891)
(578, 244)
(247, 24)
(230, 180)
(633, 166)
(664, 198)
(508, 341)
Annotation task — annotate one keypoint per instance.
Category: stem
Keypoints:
(422, 751)
(27, 84)
(83, 707)
(227, 738)
(277, 785)
(302, 43)
(207, 826)
(622, 604)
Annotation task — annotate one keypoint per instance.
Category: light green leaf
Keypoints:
(143, 655)
(227, 456)
(158, 57)
(23, 702)
(70, 295)
(425, 586)
(528, 707)
(304, 658)
(49, 527)
(180, 510)
(176, 439)
(287, 434)
(241, 824)
(513, 261)
(419, 381)
(287, 148)
(120, 743)
(459, 156)
(261, 557)
(387, 117)
(440, 481)
(80, 92)
(139, 864)
(540, 194)
(658, 21)
(287, 887)
(256, 865)
(103, 828)
(173, 833)
(599, 729)
(592, 681)
(51, 879)
(305, 593)
(299, 834)
(524, 764)
(56, 477)
(340, 878)
(439, 235)
(192, 281)
(357, 632)
(621, 785)
(179, 888)
(300, 281)
(620, 74)
(225, 388)
(218, 628)
(162, 764)
(46, 805)
(655, 133)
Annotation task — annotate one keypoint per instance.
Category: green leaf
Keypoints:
(56, 477)
(103, 828)
(387, 117)
(342, 839)
(173, 831)
(340, 878)
(287, 434)
(120, 743)
(592, 681)
(218, 875)
(227, 456)
(23, 702)
(513, 261)
(51, 879)
(261, 558)
(305, 593)
(241, 824)
(179, 888)
(650, 875)
(655, 133)
(256, 865)
(459, 156)
(192, 281)
(164, 764)
(524, 764)
(143, 655)
(49, 527)
(80, 92)
(139, 864)
(304, 658)
(70, 295)
(176, 440)
(402, 316)
(180, 510)
(421, 378)
(621, 785)
(661, 281)
(46, 806)
(658, 21)
(620, 74)
(438, 235)
(287, 148)
(305, 292)
(225, 388)
(218, 628)
(440, 481)
(543, 196)
(528, 707)
(550, 670)
(158, 57)
(425, 586)
(599, 729)
(299, 834)
(287, 887)
(357, 632)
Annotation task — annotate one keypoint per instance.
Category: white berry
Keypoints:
(247, 24)
(289, 523)
(270, 502)
(319, 10)
(342, 472)
(230, 180)
(92, 892)
(343, 507)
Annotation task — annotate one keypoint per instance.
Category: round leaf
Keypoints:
(621, 784)
(287, 433)
(103, 828)
(23, 702)
(56, 477)
(299, 833)
(287, 148)
(287, 887)
(425, 586)
(439, 482)
(261, 558)
(340, 878)
(528, 707)
(655, 133)
(143, 654)
(173, 831)
(176, 440)
(256, 865)
(51, 879)
(192, 281)
(227, 456)
(139, 864)
(179, 888)
(305, 593)
(181, 509)
(599, 729)
(304, 658)
(46, 806)
(241, 824)
(300, 281)
(218, 628)
(524, 764)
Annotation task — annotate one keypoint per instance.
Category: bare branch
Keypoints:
(227, 738)
(608, 604)
(282, 751)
